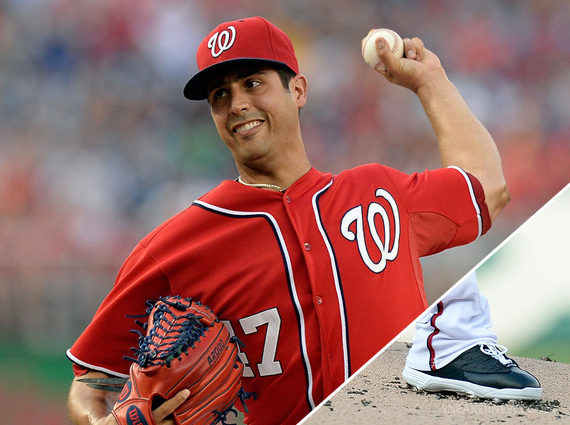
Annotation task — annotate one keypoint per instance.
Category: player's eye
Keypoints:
(218, 94)
(250, 84)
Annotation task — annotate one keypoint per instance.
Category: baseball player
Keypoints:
(313, 272)
(455, 350)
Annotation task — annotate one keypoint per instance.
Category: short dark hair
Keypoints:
(285, 75)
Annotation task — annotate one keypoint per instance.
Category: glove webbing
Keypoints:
(176, 338)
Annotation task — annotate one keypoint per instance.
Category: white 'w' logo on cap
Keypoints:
(221, 41)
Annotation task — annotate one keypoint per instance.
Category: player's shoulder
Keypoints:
(400, 184)
(375, 171)
(369, 173)
(181, 223)
(371, 169)
(175, 222)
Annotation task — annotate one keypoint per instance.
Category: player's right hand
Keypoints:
(417, 68)
(161, 415)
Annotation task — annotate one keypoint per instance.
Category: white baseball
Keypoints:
(369, 46)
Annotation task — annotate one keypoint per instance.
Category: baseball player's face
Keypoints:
(256, 116)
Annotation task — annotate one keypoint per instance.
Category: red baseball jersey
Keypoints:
(314, 281)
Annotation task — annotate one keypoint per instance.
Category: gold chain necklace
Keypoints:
(261, 185)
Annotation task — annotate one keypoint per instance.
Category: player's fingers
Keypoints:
(169, 406)
(419, 48)
(409, 48)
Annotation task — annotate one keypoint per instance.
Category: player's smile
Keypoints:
(244, 129)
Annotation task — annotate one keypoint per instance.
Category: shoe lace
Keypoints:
(497, 351)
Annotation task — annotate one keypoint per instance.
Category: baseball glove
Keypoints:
(185, 346)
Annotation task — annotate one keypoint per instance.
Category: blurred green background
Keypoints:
(528, 285)
(98, 145)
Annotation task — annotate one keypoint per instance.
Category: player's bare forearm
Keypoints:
(462, 140)
(89, 406)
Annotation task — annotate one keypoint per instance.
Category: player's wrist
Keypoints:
(433, 84)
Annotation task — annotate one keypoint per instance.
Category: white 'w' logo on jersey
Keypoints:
(387, 248)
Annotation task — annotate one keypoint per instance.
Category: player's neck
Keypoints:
(274, 180)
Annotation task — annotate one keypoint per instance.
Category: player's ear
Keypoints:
(299, 89)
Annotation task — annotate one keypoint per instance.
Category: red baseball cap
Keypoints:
(250, 39)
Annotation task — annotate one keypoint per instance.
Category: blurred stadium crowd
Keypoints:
(98, 145)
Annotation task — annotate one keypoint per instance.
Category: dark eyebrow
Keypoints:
(240, 76)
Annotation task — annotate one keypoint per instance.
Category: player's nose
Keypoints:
(239, 101)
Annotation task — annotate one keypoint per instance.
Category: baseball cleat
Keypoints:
(482, 371)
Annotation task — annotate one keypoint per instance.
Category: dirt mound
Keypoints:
(378, 394)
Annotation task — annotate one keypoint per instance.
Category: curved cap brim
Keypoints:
(197, 87)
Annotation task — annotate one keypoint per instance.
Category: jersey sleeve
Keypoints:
(446, 208)
(109, 337)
